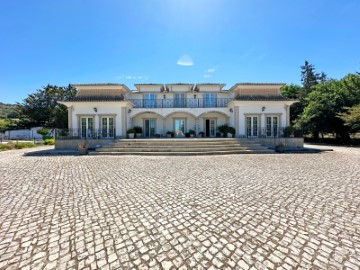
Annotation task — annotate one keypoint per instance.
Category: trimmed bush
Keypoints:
(49, 141)
(21, 145)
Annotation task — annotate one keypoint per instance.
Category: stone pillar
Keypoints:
(287, 115)
(124, 117)
(237, 120)
(70, 110)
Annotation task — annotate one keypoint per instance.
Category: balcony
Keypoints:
(181, 103)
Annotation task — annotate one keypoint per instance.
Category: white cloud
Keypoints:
(185, 60)
(210, 72)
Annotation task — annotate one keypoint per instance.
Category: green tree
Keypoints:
(42, 108)
(352, 118)
(293, 91)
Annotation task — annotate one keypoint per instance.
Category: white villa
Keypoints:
(110, 110)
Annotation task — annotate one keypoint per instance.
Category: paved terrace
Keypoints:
(299, 211)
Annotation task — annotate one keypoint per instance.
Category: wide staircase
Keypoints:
(181, 147)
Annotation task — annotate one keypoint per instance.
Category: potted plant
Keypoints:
(131, 133)
(138, 131)
(230, 132)
(223, 129)
(280, 147)
(201, 134)
(169, 134)
(289, 131)
(192, 133)
(83, 148)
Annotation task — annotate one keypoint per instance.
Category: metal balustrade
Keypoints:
(85, 134)
(181, 103)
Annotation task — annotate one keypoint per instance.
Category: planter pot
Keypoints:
(131, 135)
(192, 135)
(168, 135)
(229, 135)
(279, 149)
(83, 151)
(138, 135)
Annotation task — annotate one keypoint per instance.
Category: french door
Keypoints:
(149, 127)
(87, 127)
(107, 127)
(272, 126)
(252, 126)
(210, 128)
(209, 100)
(179, 127)
(180, 101)
(149, 100)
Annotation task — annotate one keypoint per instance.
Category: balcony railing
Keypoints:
(272, 132)
(181, 103)
(84, 134)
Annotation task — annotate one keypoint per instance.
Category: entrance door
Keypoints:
(87, 127)
(210, 128)
(252, 126)
(272, 126)
(107, 127)
(149, 128)
(179, 127)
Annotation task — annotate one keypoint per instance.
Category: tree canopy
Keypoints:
(325, 105)
(42, 108)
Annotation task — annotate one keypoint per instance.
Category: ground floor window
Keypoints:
(180, 127)
(252, 126)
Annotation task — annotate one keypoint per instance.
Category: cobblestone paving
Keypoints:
(299, 211)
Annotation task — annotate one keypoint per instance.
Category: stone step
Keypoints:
(174, 146)
(151, 153)
(169, 149)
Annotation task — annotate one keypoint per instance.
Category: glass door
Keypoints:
(210, 128)
(149, 128)
(272, 128)
(180, 101)
(87, 127)
(179, 127)
(107, 127)
(149, 100)
(209, 100)
(252, 126)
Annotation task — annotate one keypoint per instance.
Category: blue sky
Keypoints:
(141, 41)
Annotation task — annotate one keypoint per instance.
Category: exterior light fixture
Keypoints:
(129, 111)
(194, 96)
(164, 96)
(95, 109)
(231, 110)
(263, 108)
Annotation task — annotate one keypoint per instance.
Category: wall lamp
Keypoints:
(129, 111)
(263, 108)
(194, 96)
(95, 109)
(231, 110)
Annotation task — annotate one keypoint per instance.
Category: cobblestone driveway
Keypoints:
(298, 211)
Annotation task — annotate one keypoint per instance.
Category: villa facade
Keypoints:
(110, 110)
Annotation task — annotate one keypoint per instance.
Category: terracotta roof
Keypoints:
(262, 98)
(97, 84)
(249, 83)
(96, 98)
